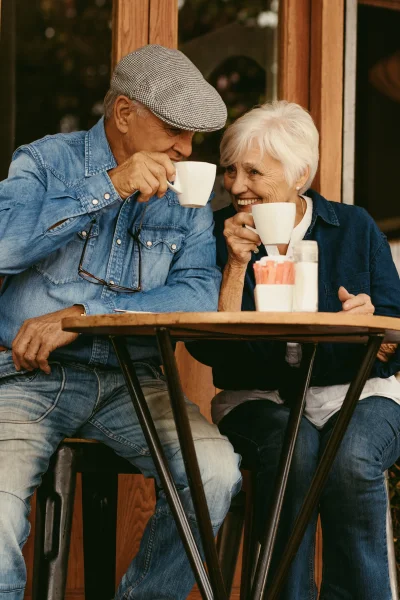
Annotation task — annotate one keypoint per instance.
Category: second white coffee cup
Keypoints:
(274, 221)
(193, 183)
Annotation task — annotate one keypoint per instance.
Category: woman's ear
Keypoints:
(302, 180)
(122, 113)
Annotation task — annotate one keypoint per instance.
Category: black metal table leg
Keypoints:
(160, 461)
(285, 461)
(190, 460)
(322, 472)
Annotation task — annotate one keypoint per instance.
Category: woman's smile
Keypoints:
(247, 201)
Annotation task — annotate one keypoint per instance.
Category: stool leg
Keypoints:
(99, 508)
(229, 538)
(54, 510)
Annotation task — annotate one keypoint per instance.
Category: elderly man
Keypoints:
(86, 220)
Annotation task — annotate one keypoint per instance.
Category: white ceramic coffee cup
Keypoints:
(274, 221)
(193, 183)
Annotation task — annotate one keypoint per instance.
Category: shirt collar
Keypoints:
(98, 155)
(322, 209)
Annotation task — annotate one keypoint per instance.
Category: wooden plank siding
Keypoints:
(326, 91)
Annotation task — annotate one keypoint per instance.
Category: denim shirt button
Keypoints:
(119, 242)
(107, 196)
(95, 202)
(173, 246)
(111, 282)
(83, 233)
(149, 243)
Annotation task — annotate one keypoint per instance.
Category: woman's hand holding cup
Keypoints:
(240, 240)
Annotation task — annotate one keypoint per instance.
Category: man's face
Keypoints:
(148, 133)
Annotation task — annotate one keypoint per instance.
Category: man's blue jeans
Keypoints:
(37, 411)
(353, 504)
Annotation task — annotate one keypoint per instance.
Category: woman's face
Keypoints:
(256, 179)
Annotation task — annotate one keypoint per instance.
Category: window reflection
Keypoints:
(63, 65)
(234, 45)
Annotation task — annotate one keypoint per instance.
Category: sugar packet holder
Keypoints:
(275, 278)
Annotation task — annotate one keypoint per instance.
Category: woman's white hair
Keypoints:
(282, 129)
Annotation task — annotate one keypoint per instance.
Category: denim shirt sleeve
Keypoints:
(29, 212)
(193, 281)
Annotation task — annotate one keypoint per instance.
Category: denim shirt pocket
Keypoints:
(61, 266)
(158, 247)
(359, 283)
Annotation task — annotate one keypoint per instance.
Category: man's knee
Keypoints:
(219, 465)
(220, 474)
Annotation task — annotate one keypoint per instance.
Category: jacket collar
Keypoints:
(98, 155)
(322, 209)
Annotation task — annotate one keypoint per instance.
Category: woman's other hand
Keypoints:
(360, 304)
(241, 242)
(386, 352)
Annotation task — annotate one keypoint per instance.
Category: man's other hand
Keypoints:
(145, 172)
(40, 336)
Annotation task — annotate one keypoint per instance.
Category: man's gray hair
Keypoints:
(109, 101)
(282, 129)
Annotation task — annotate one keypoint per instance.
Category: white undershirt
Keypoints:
(321, 402)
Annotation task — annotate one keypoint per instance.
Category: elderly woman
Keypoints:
(271, 155)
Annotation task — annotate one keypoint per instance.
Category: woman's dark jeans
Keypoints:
(353, 504)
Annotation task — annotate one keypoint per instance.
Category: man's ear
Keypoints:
(122, 113)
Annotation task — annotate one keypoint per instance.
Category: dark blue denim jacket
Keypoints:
(354, 253)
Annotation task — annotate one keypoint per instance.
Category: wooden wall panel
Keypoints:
(294, 51)
(136, 500)
(163, 27)
(326, 91)
(130, 27)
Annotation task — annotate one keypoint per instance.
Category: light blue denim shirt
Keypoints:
(63, 178)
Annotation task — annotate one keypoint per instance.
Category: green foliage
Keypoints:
(63, 65)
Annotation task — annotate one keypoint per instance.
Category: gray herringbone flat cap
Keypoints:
(169, 84)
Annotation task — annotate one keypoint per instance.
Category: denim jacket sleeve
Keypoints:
(385, 294)
(193, 281)
(29, 212)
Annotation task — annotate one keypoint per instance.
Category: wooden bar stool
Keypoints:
(100, 467)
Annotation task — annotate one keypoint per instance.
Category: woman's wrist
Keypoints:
(235, 267)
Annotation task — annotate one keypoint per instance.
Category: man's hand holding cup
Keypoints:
(144, 172)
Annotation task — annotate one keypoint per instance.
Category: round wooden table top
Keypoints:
(296, 327)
